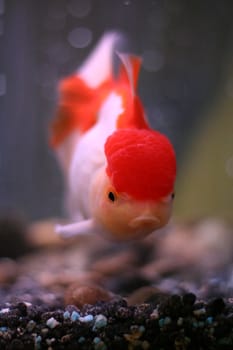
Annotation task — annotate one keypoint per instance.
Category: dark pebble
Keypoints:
(142, 312)
(16, 344)
(35, 311)
(224, 329)
(172, 307)
(216, 306)
(124, 313)
(189, 299)
(22, 309)
(13, 241)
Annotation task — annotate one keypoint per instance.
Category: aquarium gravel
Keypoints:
(159, 296)
(175, 322)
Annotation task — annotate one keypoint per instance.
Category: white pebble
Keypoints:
(199, 312)
(86, 319)
(52, 323)
(5, 310)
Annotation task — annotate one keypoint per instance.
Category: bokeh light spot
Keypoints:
(79, 8)
(56, 11)
(80, 37)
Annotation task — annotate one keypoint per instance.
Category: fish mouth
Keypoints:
(144, 221)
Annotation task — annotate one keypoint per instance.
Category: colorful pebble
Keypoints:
(52, 323)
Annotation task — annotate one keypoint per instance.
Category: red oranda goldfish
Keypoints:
(119, 173)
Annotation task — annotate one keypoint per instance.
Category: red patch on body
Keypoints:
(141, 163)
(79, 104)
(77, 107)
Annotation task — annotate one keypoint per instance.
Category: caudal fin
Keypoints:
(80, 97)
(98, 67)
(133, 115)
(130, 68)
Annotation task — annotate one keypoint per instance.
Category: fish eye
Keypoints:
(111, 196)
(173, 195)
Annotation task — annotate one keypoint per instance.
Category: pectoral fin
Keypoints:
(76, 229)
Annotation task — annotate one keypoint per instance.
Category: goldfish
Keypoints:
(119, 172)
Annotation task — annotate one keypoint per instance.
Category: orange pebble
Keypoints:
(79, 295)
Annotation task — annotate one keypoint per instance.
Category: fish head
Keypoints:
(124, 218)
(137, 195)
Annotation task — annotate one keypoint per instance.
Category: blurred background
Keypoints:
(186, 85)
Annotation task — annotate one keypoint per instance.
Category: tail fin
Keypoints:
(133, 115)
(98, 67)
(80, 98)
(130, 68)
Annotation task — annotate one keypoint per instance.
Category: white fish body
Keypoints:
(81, 156)
(89, 158)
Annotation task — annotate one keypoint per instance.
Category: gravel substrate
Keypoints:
(157, 295)
(172, 322)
